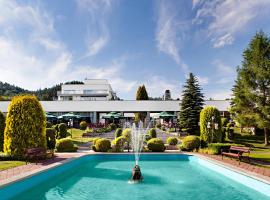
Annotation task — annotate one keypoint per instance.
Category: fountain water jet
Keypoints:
(137, 140)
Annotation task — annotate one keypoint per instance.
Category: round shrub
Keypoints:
(48, 124)
(62, 131)
(51, 138)
(102, 145)
(83, 125)
(158, 125)
(210, 135)
(152, 133)
(66, 145)
(172, 141)
(119, 143)
(127, 135)
(25, 126)
(112, 126)
(191, 142)
(118, 132)
(156, 145)
(2, 129)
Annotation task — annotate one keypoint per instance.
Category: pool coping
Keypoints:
(34, 172)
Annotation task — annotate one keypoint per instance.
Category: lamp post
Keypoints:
(71, 126)
(212, 126)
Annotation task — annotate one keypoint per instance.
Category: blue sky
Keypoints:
(156, 43)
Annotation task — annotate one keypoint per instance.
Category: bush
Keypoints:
(62, 131)
(25, 126)
(158, 125)
(51, 138)
(210, 135)
(48, 124)
(118, 132)
(2, 129)
(119, 143)
(152, 132)
(56, 127)
(229, 133)
(66, 145)
(112, 126)
(147, 137)
(190, 143)
(216, 147)
(83, 125)
(172, 141)
(102, 145)
(224, 121)
(156, 145)
(95, 140)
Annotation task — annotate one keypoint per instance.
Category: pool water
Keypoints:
(107, 177)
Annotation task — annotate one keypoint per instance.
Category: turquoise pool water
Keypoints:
(106, 177)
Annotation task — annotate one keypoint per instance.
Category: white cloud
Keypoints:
(170, 32)
(219, 95)
(226, 19)
(203, 80)
(225, 73)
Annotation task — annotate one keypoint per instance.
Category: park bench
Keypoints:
(35, 154)
(236, 152)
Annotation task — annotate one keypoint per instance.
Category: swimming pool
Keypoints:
(166, 176)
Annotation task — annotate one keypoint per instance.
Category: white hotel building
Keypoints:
(93, 99)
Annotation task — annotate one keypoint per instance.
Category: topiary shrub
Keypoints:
(83, 125)
(224, 121)
(127, 135)
(152, 132)
(102, 145)
(66, 145)
(25, 126)
(2, 129)
(62, 131)
(156, 145)
(229, 132)
(172, 141)
(119, 143)
(48, 124)
(190, 143)
(158, 125)
(112, 126)
(51, 138)
(118, 133)
(210, 135)
(215, 148)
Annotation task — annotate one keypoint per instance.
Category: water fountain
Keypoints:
(138, 133)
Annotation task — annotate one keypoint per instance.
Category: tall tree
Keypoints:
(191, 105)
(251, 92)
(141, 95)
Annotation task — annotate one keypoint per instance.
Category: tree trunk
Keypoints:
(266, 136)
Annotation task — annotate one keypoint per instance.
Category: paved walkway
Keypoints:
(262, 172)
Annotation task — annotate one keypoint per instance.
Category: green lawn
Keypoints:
(10, 164)
(77, 136)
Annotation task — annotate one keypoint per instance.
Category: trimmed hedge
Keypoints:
(62, 131)
(102, 145)
(153, 133)
(210, 135)
(118, 133)
(51, 138)
(216, 147)
(156, 145)
(25, 126)
(66, 145)
(83, 125)
(119, 143)
(2, 129)
(190, 143)
(172, 141)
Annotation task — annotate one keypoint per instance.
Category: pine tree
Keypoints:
(141, 95)
(191, 105)
(251, 92)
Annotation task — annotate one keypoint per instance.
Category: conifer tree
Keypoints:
(141, 95)
(191, 106)
(251, 92)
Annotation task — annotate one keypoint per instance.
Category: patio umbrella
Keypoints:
(50, 117)
(166, 115)
(112, 115)
(70, 115)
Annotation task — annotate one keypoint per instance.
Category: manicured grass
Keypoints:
(10, 164)
(77, 136)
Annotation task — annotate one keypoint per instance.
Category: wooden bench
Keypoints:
(236, 152)
(35, 154)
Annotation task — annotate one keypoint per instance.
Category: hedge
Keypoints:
(25, 125)
(66, 145)
(172, 141)
(102, 145)
(119, 143)
(156, 145)
(210, 135)
(2, 129)
(190, 143)
(51, 138)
